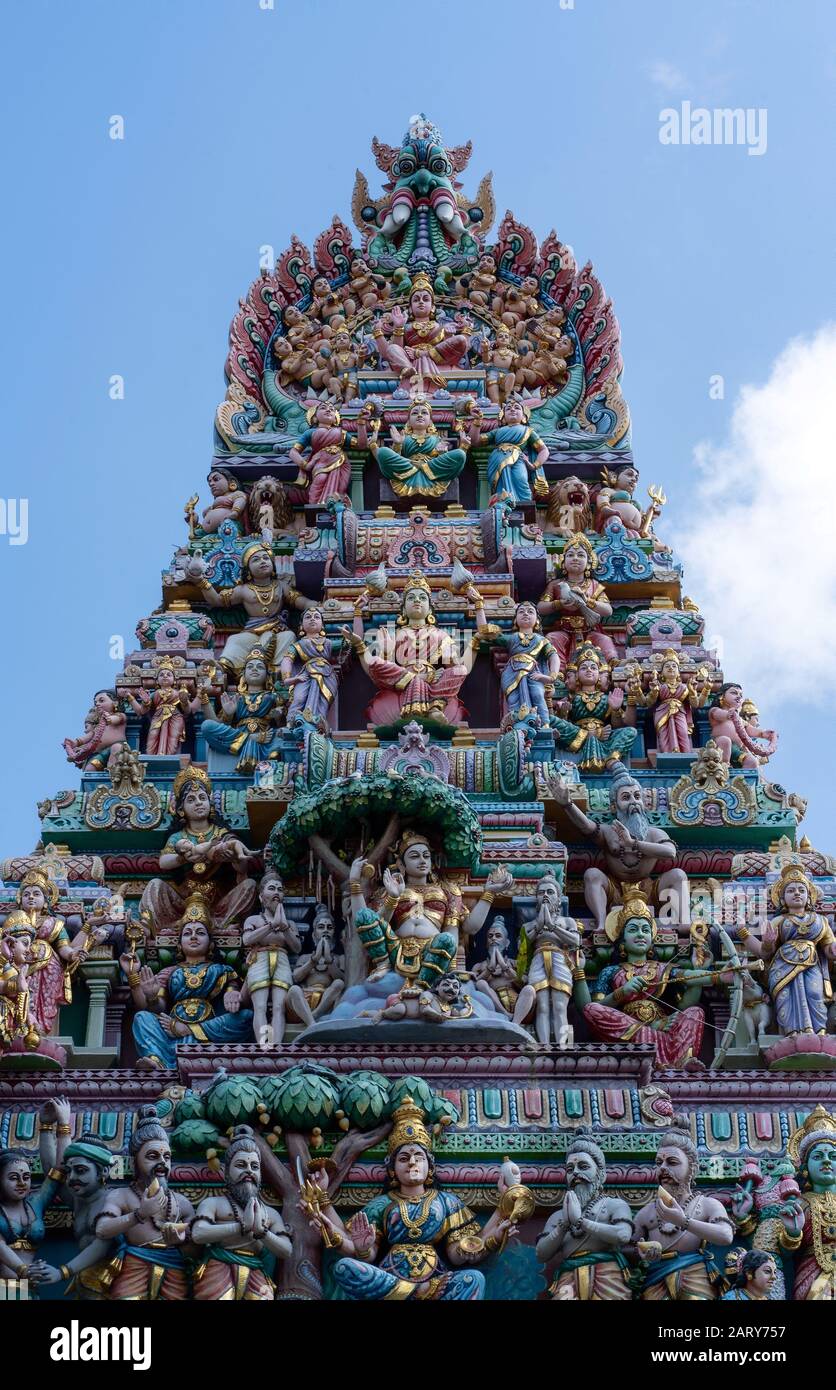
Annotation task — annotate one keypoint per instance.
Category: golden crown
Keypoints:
(634, 906)
(18, 923)
(586, 544)
(191, 774)
(422, 281)
(252, 550)
(792, 873)
(409, 1127)
(410, 837)
(38, 878)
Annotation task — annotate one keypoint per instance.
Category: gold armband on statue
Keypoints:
(743, 933)
(64, 1129)
(56, 1174)
(48, 1129)
(788, 1242)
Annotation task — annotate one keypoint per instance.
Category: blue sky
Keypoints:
(244, 125)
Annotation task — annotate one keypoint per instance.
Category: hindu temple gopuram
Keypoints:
(421, 919)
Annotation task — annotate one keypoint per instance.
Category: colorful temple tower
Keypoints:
(421, 836)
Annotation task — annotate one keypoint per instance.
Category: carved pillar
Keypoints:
(99, 977)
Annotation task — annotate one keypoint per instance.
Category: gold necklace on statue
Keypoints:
(265, 595)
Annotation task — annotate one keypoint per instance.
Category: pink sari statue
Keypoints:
(672, 700)
(320, 454)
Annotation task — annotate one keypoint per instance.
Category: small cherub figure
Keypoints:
(104, 733)
(364, 290)
(445, 1001)
(482, 282)
(501, 361)
(108, 922)
(757, 1009)
(517, 303)
(326, 304)
(632, 683)
(321, 973)
(496, 975)
(269, 937)
(342, 361)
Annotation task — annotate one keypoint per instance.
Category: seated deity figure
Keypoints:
(736, 738)
(615, 499)
(626, 1003)
(236, 1232)
(270, 939)
(246, 725)
(556, 966)
(150, 1221)
(517, 456)
(798, 948)
(229, 503)
(590, 718)
(104, 734)
(674, 1229)
(197, 1000)
(577, 604)
(497, 975)
(586, 1234)
(633, 850)
(414, 1241)
(205, 857)
(320, 972)
(264, 598)
(419, 462)
(417, 345)
(418, 672)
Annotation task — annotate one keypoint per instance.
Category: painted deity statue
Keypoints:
(310, 670)
(104, 734)
(246, 723)
(86, 1166)
(517, 456)
(320, 972)
(496, 975)
(501, 365)
(737, 740)
(55, 956)
(532, 668)
(204, 855)
(754, 1278)
(263, 596)
(197, 1000)
(270, 939)
(168, 705)
(237, 1232)
(414, 1241)
(229, 503)
(417, 345)
(673, 1230)
(17, 964)
(419, 462)
(797, 947)
(633, 849)
(342, 361)
(577, 604)
(555, 969)
(586, 1234)
(673, 700)
(627, 1006)
(418, 672)
(22, 1211)
(320, 453)
(590, 718)
(149, 1221)
(809, 1222)
(615, 500)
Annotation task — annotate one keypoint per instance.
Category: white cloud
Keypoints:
(667, 76)
(760, 547)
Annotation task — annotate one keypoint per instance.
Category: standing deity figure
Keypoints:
(320, 973)
(809, 1222)
(246, 724)
(419, 462)
(672, 700)
(532, 667)
(734, 736)
(104, 734)
(418, 672)
(55, 956)
(320, 453)
(591, 716)
(197, 1000)
(797, 947)
(586, 1234)
(615, 500)
(496, 975)
(310, 670)
(204, 855)
(554, 944)
(754, 1278)
(632, 848)
(168, 705)
(237, 1232)
(17, 964)
(86, 1166)
(501, 363)
(150, 1221)
(627, 1006)
(342, 361)
(517, 456)
(229, 503)
(414, 1241)
(270, 939)
(417, 345)
(22, 1211)
(579, 602)
(263, 596)
(673, 1230)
